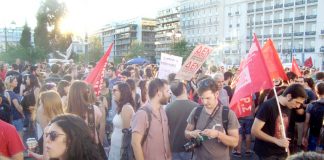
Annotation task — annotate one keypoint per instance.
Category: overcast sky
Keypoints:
(83, 15)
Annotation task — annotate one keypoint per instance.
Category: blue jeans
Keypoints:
(181, 155)
(19, 124)
(312, 143)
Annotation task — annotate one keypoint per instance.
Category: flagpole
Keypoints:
(281, 119)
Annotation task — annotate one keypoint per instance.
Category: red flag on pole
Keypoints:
(253, 77)
(273, 62)
(308, 62)
(295, 68)
(243, 108)
(96, 76)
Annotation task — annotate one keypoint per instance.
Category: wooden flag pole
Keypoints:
(281, 119)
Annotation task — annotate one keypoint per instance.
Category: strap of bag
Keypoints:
(197, 114)
(149, 116)
(225, 117)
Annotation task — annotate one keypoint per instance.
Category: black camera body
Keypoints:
(194, 143)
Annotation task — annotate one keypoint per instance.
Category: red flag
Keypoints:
(253, 77)
(308, 62)
(96, 76)
(295, 68)
(273, 62)
(243, 108)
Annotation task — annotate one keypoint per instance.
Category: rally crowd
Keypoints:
(139, 116)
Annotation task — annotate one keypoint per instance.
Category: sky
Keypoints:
(83, 15)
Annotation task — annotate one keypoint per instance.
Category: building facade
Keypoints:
(168, 29)
(9, 36)
(123, 34)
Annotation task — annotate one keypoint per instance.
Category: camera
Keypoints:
(195, 142)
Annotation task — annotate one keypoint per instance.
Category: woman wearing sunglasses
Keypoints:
(68, 137)
(125, 110)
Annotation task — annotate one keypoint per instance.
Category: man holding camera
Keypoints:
(210, 138)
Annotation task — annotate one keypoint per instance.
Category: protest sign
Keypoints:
(169, 64)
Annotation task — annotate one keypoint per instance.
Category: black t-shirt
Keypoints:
(178, 112)
(269, 114)
(229, 91)
(19, 79)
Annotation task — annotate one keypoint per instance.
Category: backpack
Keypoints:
(126, 148)
(5, 112)
(316, 118)
(224, 116)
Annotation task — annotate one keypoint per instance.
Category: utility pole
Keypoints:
(6, 40)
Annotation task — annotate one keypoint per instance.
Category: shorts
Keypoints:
(246, 125)
(19, 124)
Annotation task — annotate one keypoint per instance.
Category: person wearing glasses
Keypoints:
(68, 137)
(209, 124)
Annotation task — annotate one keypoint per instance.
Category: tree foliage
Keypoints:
(136, 48)
(182, 49)
(25, 40)
(95, 49)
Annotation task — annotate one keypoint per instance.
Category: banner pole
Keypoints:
(282, 126)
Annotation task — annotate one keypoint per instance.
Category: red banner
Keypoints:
(243, 108)
(308, 62)
(295, 68)
(96, 76)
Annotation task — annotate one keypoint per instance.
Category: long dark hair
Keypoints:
(142, 86)
(33, 81)
(80, 144)
(60, 87)
(125, 97)
(78, 99)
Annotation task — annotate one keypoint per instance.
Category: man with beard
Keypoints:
(150, 130)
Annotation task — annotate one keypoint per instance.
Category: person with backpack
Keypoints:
(150, 130)
(314, 122)
(125, 110)
(212, 128)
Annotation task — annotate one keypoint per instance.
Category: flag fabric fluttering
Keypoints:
(253, 77)
(295, 68)
(96, 76)
(308, 62)
(273, 62)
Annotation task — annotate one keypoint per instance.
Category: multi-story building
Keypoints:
(295, 26)
(168, 29)
(9, 36)
(123, 34)
(202, 22)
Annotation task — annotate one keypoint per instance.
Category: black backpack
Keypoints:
(126, 148)
(316, 118)
(224, 116)
(5, 112)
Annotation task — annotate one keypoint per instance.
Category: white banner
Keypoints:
(169, 64)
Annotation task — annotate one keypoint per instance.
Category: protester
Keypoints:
(54, 75)
(143, 85)
(15, 72)
(266, 127)
(11, 145)
(314, 122)
(125, 110)
(152, 144)
(63, 89)
(218, 137)
(68, 137)
(136, 96)
(223, 96)
(177, 113)
(16, 109)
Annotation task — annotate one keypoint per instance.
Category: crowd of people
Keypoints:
(139, 116)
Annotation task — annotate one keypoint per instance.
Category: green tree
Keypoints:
(136, 49)
(25, 40)
(95, 49)
(41, 39)
(182, 49)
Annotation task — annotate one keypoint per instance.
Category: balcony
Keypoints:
(268, 8)
(312, 1)
(299, 50)
(311, 16)
(238, 25)
(299, 18)
(310, 33)
(258, 9)
(300, 2)
(258, 23)
(267, 36)
(237, 13)
(267, 21)
(289, 4)
(278, 6)
(277, 21)
(230, 14)
(322, 49)
(276, 35)
(322, 32)
(228, 51)
(286, 50)
(299, 34)
(288, 19)
(230, 26)
(309, 49)
(287, 34)
(250, 10)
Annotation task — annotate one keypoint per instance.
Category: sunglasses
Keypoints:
(52, 135)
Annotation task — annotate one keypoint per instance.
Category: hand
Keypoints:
(282, 142)
(195, 133)
(211, 133)
(305, 142)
